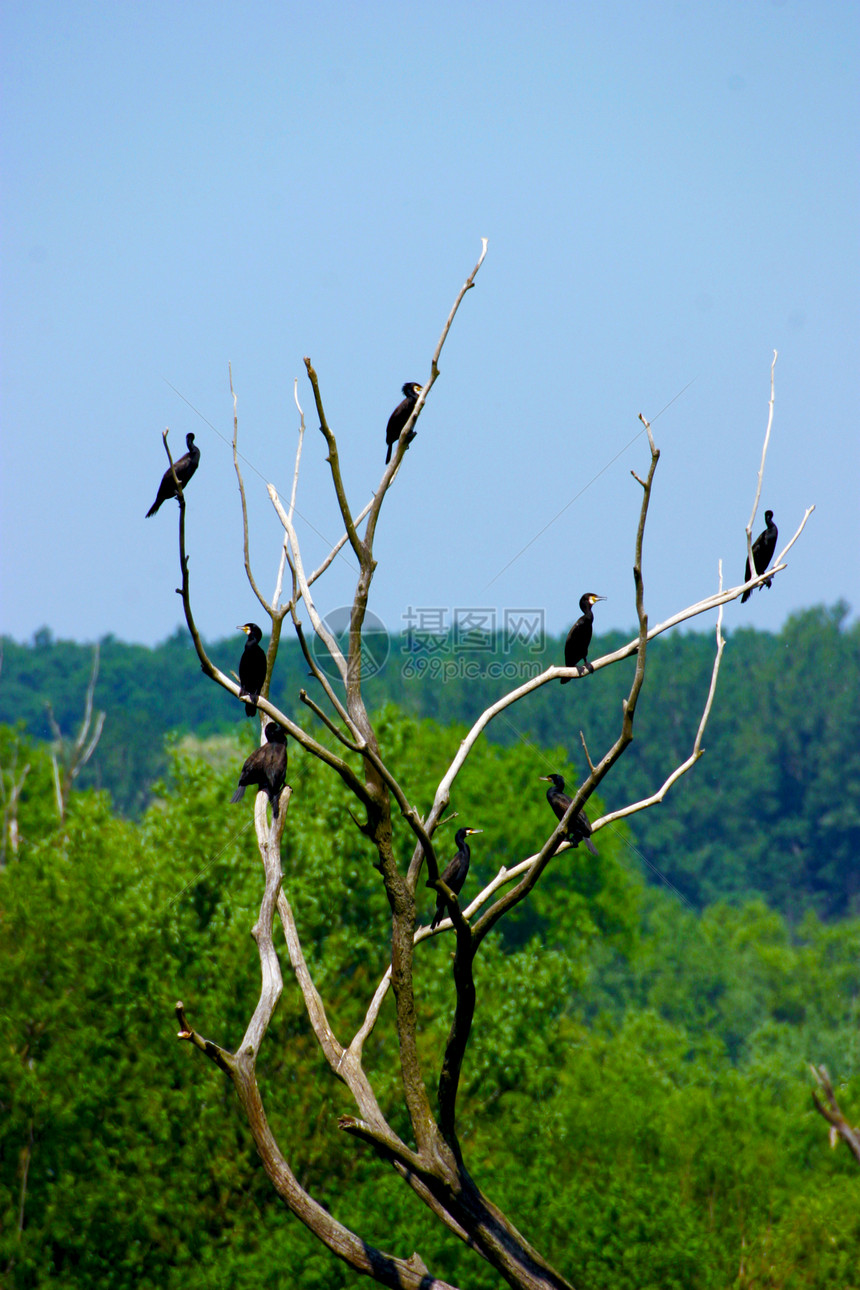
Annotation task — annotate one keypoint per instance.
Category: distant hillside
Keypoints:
(772, 809)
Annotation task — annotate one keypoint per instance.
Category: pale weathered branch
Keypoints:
(469, 939)
(11, 798)
(760, 478)
(334, 465)
(271, 610)
(676, 774)
(311, 745)
(406, 433)
(319, 626)
(443, 792)
(269, 845)
(830, 1109)
(528, 881)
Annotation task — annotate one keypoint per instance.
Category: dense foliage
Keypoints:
(636, 1095)
(771, 811)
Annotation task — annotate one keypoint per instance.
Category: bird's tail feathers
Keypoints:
(239, 794)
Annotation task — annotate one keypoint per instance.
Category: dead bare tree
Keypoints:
(69, 756)
(432, 1163)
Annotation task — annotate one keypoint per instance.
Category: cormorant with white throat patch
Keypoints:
(579, 636)
(454, 873)
(400, 416)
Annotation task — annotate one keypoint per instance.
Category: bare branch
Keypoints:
(334, 465)
(400, 1274)
(760, 478)
(839, 1126)
(292, 510)
(269, 844)
(528, 881)
(443, 792)
(319, 626)
(657, 797)
(220, 1056)
(338, 546)
(301, 736)
(270, 609)
(406, 433)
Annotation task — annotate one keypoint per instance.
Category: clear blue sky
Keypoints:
(669, 191)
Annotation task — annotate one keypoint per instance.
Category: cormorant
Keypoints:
(266, 767)
(579, 636)
(454, 873)
(578, 826)
(762, 550)
(400, 416)
(184, 467)
(252, 666)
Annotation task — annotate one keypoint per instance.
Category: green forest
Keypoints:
(636, 1094)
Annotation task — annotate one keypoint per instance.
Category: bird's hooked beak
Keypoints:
(470, 831)
(244, 628)
(594, 599)
(547, 779)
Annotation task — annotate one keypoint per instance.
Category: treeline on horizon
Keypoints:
(772, 809)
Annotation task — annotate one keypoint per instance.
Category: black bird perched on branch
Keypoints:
(578, 826)
(454, 873)
(400, 416)
(762, 550)
(266, 767)
(252, 666)
(579, 636)
(184, 467)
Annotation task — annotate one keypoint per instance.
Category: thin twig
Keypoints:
(760, 479)
(319, 626)
(270, 609)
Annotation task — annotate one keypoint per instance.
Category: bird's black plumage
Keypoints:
(762, 550)
(266, 767)
(579, 636)
(252, 666)
(454, 873)
(400, 416)
(184, 467)
(578, 826)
